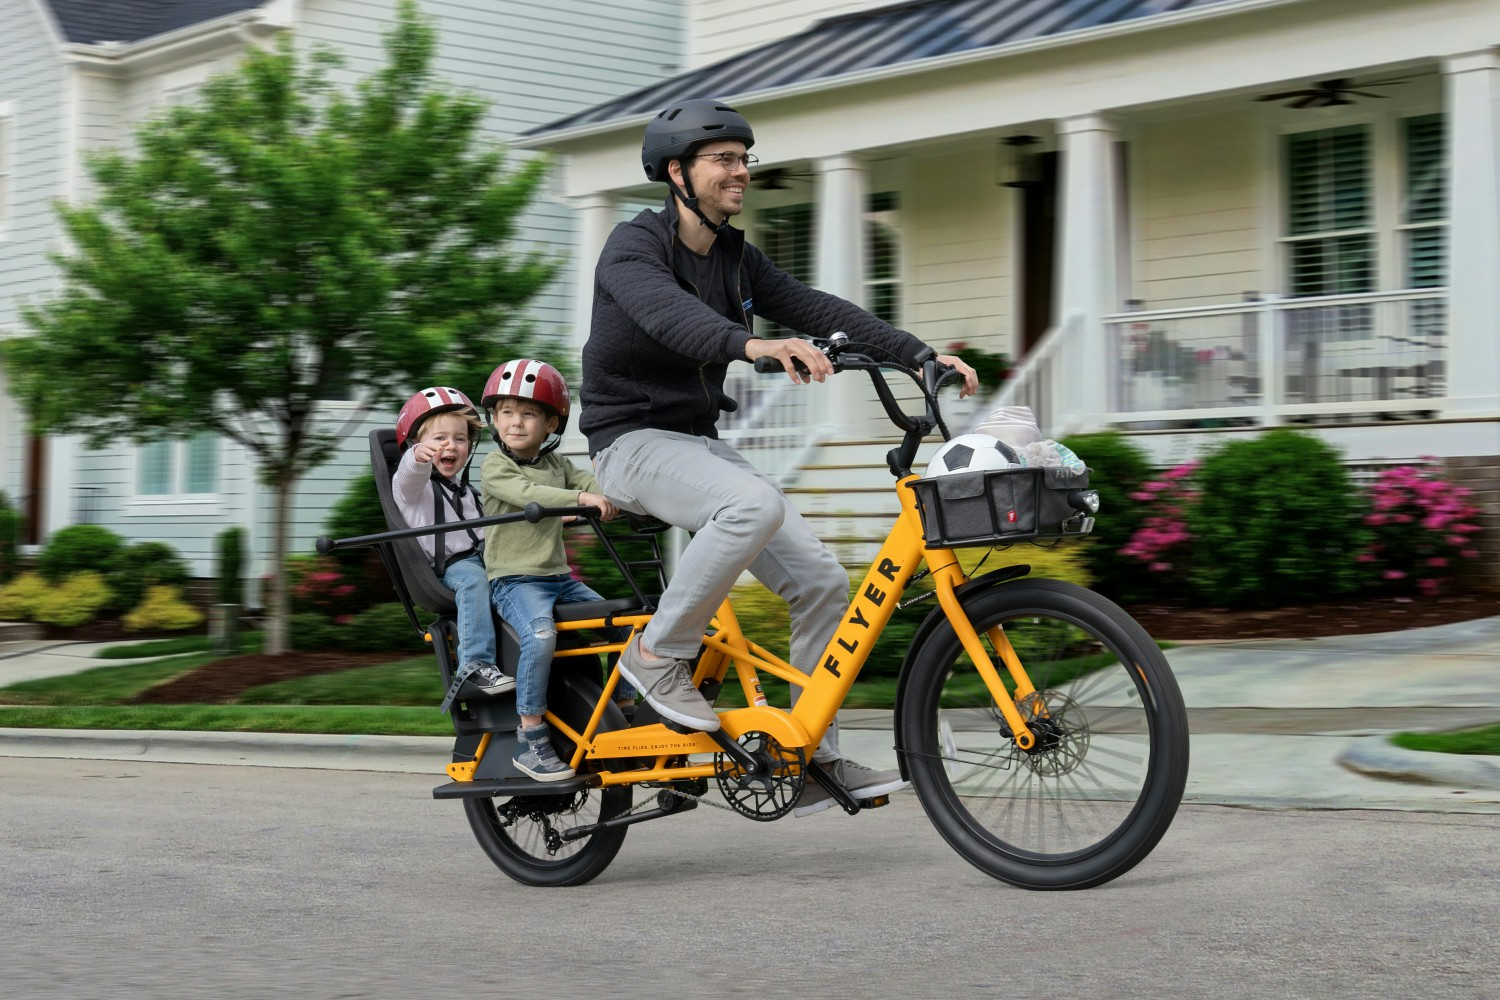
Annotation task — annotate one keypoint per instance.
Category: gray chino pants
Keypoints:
(741, 520)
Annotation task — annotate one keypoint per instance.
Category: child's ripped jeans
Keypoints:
(526, 603)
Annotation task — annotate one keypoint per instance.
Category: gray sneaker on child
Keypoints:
(667, 686)
(536, 757)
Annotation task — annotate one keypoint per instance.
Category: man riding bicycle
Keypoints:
(674, 299)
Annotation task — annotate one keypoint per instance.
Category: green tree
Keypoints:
(280, 242)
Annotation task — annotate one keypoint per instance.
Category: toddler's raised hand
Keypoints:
(424, 452)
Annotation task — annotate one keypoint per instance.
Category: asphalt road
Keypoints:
(170, 880)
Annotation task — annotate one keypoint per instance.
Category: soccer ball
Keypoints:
(972, 453)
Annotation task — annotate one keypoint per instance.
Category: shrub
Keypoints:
(11, 525)
(76, 549)
(1420, 524)
(319, 585)
(312, 632)
(381, 628)
(1118, 470)
(163, 609)
(1063, 561)
(138, 567)
(77, 600)
(358, 512)
(1278, 521)
(231, 566)
(20, 598)
(1164, 542)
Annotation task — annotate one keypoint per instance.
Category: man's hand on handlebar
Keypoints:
(971, 379)
(815, 366)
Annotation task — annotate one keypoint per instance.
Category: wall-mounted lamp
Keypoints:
(1016, 163)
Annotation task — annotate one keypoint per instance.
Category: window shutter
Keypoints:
(1328, 190)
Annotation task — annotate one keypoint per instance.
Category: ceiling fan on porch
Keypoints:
(1329, 93)
(777, 178)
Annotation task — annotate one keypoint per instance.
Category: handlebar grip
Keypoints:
(532, 512)
(770, 366)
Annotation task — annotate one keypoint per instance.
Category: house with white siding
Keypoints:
(80, 75)
(1185, 219)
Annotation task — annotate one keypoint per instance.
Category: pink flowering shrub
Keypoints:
(1421, 527)
(321, 585)
(1164, 540)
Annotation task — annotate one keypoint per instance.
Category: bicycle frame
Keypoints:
(823, 689)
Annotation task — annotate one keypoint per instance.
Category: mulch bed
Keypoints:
(221, 682)
(1310, 621)
(224, 680)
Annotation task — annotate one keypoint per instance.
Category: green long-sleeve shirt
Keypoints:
(524, 549)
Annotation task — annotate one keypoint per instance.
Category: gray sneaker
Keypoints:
(667, 686)
(860, 781)
(536, 757)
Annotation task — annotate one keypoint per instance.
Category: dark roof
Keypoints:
(133, 20)
(874, 39)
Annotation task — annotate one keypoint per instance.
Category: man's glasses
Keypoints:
(729, 160)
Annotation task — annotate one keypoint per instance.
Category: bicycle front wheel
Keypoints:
(1100, 787)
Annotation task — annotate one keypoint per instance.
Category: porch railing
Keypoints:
(774, 426)
(1263, 362)
(1039, 381)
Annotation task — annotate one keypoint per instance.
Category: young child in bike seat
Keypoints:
(528, 403)
(436, 431)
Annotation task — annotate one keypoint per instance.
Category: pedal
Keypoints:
(875, 803)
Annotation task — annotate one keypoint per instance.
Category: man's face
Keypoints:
(721, 193)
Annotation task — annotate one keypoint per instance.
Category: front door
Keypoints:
(1037, 251)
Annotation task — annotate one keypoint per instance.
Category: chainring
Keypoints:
(773, 791)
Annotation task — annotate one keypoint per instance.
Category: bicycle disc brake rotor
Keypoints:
(1061, 731)
(772, 790)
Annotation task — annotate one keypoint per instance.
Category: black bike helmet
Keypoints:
(672, 134)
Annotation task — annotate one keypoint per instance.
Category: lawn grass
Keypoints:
(107, 685)
(385, 720)
(249, 643)
(413, 682)
(1482, 740)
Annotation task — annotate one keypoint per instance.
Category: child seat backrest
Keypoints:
(426, 588)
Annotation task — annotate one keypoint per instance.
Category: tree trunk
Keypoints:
(278, 621)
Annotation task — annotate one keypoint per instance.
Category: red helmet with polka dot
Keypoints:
(434, 399)
(538, 381)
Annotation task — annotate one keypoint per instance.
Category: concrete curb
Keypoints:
(415, 754)
(1377, 757)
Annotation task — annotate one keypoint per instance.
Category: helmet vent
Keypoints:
(674, 114)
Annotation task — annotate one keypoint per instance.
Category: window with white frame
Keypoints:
(785, 234)
(1334, 222)
(171, 469)
(883, 257)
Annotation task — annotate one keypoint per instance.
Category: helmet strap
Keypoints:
(691, 201)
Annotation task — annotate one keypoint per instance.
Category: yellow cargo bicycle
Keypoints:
(1040, 726)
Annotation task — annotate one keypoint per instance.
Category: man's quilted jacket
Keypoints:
(656, 354)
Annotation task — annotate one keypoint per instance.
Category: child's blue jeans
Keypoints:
(471, 593)
(526, 602)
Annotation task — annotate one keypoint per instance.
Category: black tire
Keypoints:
(1105, 780)
(514, 831)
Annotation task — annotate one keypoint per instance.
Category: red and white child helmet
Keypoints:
(538, 381)
(435, 399)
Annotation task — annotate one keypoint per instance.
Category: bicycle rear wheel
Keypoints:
(1099, 789)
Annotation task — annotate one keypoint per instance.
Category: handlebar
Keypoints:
(930, 377)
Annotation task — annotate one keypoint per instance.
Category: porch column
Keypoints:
(840, 257)
(1086, 264)
(1473, 132)
(595, 214)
